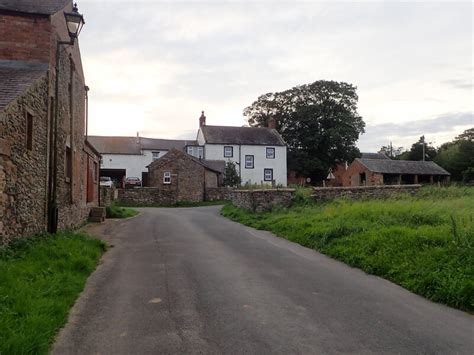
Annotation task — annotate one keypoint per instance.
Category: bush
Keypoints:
(120, 212)
(468, 175)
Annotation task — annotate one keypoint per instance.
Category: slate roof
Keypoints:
(129, 145)
(41, 7)
(241, 135)
(174, 153)
(374, 156)
(16, 77)
(216, 165)
(388, 166)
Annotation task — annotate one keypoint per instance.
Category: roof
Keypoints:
(17, 76)
(41, 7)
(130, 145)
(388, 166)
(374, 156)
(216, 165)
(241, 135)
(174, 153)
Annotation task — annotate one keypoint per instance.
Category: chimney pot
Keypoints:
(271, 123)
(202, 119)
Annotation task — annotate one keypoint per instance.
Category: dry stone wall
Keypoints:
(362, 192)
(262, 200)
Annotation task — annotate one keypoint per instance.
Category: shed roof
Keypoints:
(16, 77)
(374, 156)
(41, 7)
(241, 135)
(408, 167)
(134, 145)
(175, 153)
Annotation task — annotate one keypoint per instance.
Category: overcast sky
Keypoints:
(152, 66)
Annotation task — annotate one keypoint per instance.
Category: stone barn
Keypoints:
(185, 176)
(370, 172)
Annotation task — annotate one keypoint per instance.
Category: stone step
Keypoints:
(97, 212)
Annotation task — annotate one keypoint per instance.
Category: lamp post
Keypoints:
(74, 24)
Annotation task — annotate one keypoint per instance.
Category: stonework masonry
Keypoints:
(363, 192)
(262, 200)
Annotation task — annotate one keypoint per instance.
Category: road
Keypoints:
(188, 281)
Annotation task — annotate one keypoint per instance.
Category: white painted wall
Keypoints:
(255, 175)
(134, 165)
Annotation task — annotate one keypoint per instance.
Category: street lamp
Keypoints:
(74, 24)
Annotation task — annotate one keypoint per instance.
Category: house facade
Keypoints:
(259, 153)
(124, 157)
(36, 170)
(182, 176)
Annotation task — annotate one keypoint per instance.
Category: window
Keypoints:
(268, 174)
(166, 177)
(228, 152)
(249, 162)
(68, 165)
(195, 151)
(270, 153)
(29, 131)
(155, 155)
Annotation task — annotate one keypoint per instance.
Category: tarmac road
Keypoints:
(186, 280)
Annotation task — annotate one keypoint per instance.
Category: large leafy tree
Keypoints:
(457, 156)
(318, 121)
(417, 150)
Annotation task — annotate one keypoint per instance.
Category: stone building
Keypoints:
(184, 176)
(30, 31)
(377, 171)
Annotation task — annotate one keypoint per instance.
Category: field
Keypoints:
(423, 243)
(40, 279)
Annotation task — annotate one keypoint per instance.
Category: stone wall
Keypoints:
(108, 195)
(361, 192)
(218, 193)
(262, 200)
(146, 196)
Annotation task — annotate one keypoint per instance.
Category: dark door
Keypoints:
(144, 179)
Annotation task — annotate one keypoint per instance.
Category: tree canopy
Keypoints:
(416, 151)
(318, 121)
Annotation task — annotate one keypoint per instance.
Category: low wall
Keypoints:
(107, 196)
(262, 200)
(361, 192)
(146, 196)
(218, 193)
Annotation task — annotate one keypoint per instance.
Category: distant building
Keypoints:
(377, 169)
(29, 31)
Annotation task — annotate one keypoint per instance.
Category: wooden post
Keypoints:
(416, 179)
(399, 180)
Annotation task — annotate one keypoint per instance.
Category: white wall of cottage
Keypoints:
(133, 164)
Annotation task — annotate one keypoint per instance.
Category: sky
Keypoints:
(153, 66)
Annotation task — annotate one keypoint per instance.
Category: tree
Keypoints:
(319, 123)
(457, 156)
(391, 151)
(231, 177)
(418, 149)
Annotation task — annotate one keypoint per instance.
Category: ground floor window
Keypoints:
(268, 174)
(166, 177)
(249, 162)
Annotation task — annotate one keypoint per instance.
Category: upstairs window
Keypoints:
(249, 162)
(29, 131)
(270, 153)
(228, 152)
(167, 177)
(155, 155)
(195, 151)
(268, 174)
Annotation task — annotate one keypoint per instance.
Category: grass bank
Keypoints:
(423, 243)
(120, 212)
(40, 279)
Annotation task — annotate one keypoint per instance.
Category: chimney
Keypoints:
(272, 123)
(202, 120)
(138, 137)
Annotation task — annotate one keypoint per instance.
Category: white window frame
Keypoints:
(270, 149)
(167, 177)
(190, 149)
(231, 149)
(200, 152)
(265, 171)
(252, 161)
(153, 155)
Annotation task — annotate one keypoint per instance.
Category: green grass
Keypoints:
(177, 204)
(120, 212)
(423, 243)
(40, 279)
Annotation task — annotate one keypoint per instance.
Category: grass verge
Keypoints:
(40, 279)
(423, 243)
(177, 204)
(119, 212)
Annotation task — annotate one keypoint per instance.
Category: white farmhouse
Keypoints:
(258, 152)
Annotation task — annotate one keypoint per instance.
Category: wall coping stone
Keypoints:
(375, 187)
(265, 190)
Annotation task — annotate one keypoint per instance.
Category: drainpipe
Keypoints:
(86, 88)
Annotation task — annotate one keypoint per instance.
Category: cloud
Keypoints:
(437, 130)
(459, 83)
